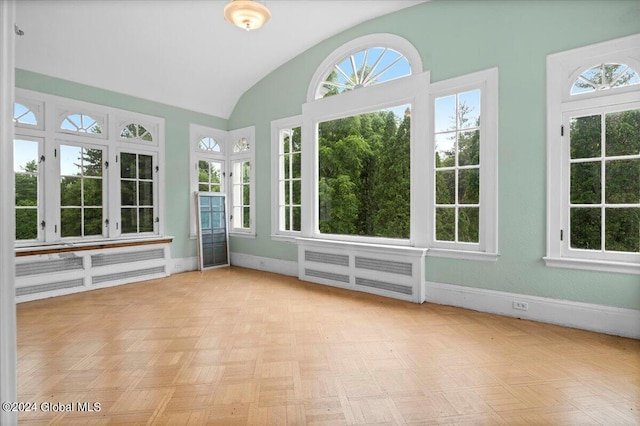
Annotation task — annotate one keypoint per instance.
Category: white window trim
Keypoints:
(276, 127)
(54, 110)
(487, 248)
(407, 90)
(235, 135)
(562, 69)
(197, 132)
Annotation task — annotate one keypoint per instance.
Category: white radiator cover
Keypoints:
(48, 275)
(392, 271)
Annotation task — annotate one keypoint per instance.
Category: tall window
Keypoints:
(26, 167)
(242, 197)
(464, 177)
(81, 191)
(287, 177)
(208, 160)
(594, 214)
(84, 171)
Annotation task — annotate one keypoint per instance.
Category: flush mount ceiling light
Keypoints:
(246, 14)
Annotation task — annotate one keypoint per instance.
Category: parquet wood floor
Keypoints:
(236, 346)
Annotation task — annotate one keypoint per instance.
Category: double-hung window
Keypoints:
(593, 148)
(242, 174)
(84, 172)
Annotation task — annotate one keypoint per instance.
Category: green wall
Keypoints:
(177, 120)
(455, 38)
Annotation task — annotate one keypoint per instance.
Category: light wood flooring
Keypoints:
(236, 346)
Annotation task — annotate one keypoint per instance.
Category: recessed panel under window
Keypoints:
(364, 184)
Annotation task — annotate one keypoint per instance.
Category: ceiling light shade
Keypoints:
(246, 14)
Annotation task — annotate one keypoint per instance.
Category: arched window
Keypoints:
(24, 115)
(603, 77)
(364, 68)
(136, 131)
(81, 123)
(364, 62)
(241, 145)
(208, 144)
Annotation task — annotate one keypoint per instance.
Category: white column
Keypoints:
(8, 370)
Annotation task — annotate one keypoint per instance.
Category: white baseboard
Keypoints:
(183, 264)
(278, 266)
(586, 316)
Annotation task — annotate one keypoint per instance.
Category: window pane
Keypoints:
(586, 136)
(585, 183)
(446, 187)
(287, 166)
(128, 165)
(25, 156)
(71, 222)
(469, 224)
(622, 182)
(92, 222)
(71, 191)
(203, 187)
(246, 218)
(146, 193)
(26, 189)
(215, 188)
(145, 166)
(469, 186)
(129, 220)
(445, 224)
(623, 133)
(469, 148)
(445, 150)
(296, 165)
(287, 219)
(469, 109)
(70, 160)
(246, 192)
(364, 174)
(296, 192)
(296, 219)
(26, 224)
(296, 139)
(246, 171)
(146, 220)
(93, 192)
(92, 162)
(287, 192)
(445, 114)
(622, 227)
(128, 193)
(585, 228)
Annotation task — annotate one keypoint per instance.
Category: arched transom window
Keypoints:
(81, 123)
(136, 131)
(603, 77)
(208, 144)
(23, 115)
(364, 68)
(241, 145)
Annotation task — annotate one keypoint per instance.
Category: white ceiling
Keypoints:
(178, 52)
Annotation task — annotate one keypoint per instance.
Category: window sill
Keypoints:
(45, 248)
(592, 265)
(285, 238)
(364, 247)
(463, 255)
(247, 235)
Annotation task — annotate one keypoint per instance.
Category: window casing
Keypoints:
(81, 195)
(593, 216)
(463, 164)
(286, 192)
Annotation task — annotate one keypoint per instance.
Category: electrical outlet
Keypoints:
(522, 306)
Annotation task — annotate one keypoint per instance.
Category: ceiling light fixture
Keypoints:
(246, 14)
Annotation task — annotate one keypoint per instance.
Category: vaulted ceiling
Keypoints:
(178, 52)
